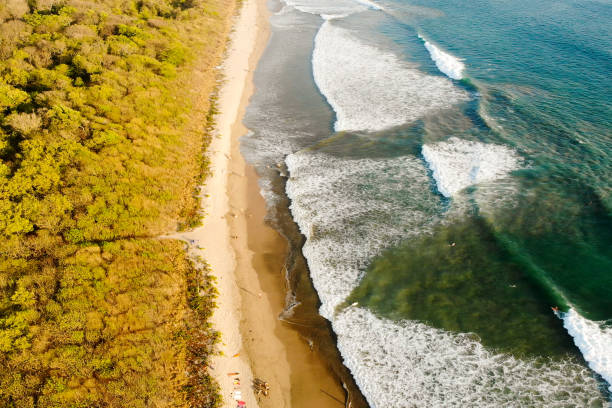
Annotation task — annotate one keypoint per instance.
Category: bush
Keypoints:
(24, 123)
(11, 97)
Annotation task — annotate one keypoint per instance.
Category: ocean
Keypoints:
(443, 172)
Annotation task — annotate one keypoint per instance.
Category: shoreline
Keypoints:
(212, 241)
(247, 256)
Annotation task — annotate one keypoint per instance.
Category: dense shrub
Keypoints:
(101, 138)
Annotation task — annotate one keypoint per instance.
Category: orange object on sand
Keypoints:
(236, 355)
(233, 373)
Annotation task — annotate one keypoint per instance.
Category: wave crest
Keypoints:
(448, 64)
(457, 164)
(594, 342)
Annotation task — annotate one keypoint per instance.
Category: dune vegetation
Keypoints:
(105, 109)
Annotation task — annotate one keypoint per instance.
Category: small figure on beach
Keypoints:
(261, 387)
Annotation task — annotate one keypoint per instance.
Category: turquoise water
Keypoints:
(449, 164)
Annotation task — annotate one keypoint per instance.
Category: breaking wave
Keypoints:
(457, 164)
(594, 342)
(350, 210)
(371, 89)
(448, 64)
(332, 9)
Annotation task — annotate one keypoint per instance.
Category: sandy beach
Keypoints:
(247, 256)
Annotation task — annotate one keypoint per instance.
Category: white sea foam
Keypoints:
(372, 89)
(350, 210)
(594, 342)
(409, 364)
(329, 8)
(448, 64)
(457, 164)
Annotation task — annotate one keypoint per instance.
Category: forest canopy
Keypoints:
(103, 120)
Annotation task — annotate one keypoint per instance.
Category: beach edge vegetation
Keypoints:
(105, 110)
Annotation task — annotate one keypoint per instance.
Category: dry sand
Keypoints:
(247, 256)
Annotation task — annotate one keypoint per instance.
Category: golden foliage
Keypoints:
(103, 111)
(110, 325)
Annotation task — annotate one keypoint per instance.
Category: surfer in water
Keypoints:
(556, 311)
